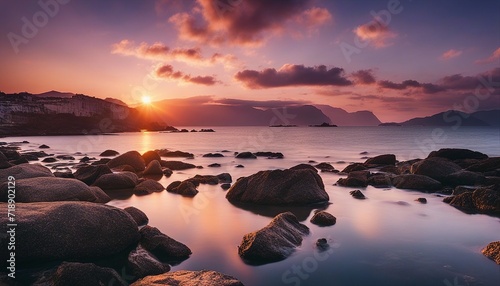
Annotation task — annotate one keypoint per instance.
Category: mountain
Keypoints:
(55, 94)
(492, 117)
(454, 118)
(341, 117)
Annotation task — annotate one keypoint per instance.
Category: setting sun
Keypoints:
(146, 100)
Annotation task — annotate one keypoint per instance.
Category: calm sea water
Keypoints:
(387, 239)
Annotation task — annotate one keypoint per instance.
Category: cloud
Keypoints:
(494, 57)
(293, 75)
(375, 33)
(364, 76)
(428, 88)
(470, 83)
(240, 22)
(168, 72)
(450, 54)
(160, 51)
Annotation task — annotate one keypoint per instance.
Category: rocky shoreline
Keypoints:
(68, 230)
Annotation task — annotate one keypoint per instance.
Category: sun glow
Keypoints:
(146, 100)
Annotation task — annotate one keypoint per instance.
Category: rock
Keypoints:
(49, 189)
(354, 167)
(492, 251)
(117, 181)
(143, 264)
(167, 172)
(246, 155)
(174, 154)
(463, 189)
(322, 244)
(323, 218)
(214, 165)
(355, 179)
(101, 196)
(189, 278)
(240, 166)
(380, 180)
(109, 153)
(86, 159)
(102, 161)
(4, 161)
(89, 174)
(457, 154)
(421, 200)
(64, 174)
(416, 182)
(49, 160)
(464, 178)
(225, 178)
(387, 159)
(65, 157)
(484, 200)
(150, 156)
(75, 273)
(43, 146)
(153, 168)
(131, 158)
(405, 166)
(357, 194)
(435, 167)
(185, 188)
(148, 187)
(213, 155)
(487, 165)
(304, 166)
(390, 169)
(68, 231)
(25, 171)
(11, 154)
(279, 187)
(270, 155)
(177, 165)
(324, 166)
(225, 187)
(274, 242)
(204, 179)
(162, 246)
(139, 216)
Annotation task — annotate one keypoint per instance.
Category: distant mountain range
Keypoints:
(457, 118)
(341, 117)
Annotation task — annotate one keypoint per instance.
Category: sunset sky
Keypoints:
(399, 59)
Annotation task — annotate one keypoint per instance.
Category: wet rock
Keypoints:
(463, 189)
(65, 157)
(279, 187)
(421, 200)
(323, 218)
(148, 187)
(304, 166)
(139, 216)
(25, 171)
(435, 167)
(357, 194)
(204, 179)
(213, 155)
(177, 165)
(225, 178)
(322, 244)
(270, 155)
(150, 156)
(246, 155)
(390, 169)
(64, 174)
(117, 181)
(167, 172)
(464, 178)
(69, 231)
(354, 167)
(49, 160)
(225, 186)
(483, 200)
(131, 158)
(416, 182)
(109, 153)
(188, 278)
(185, 188)
(405, 166)
(43, 146)
(386, 159)
(89, 174)
(457, 154)
(355, 179)
(214, 165)
(75, 273)
(380, 180)
(143, 264)
(490, 164)
(324, 166)
(174, 154)
(274, 242)
(162, 246)
(492, 251)
(153, 168)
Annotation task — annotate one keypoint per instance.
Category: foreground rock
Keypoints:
(117, 181)
(25, 171)
(89, 174)
(142, 263)
(185, 188)
(131, 158)
(274, 242)
(148, 187)
(457, 154)
(52, 189)
(323, 218)
(436, 168)
(189, 278)
(357, 194)
(68, 230)
(279, 187)
(416, 182)
(153, 168)
(484, 200)
(492, 251)
(355, 179)
(162, 246)
(151, 156)
(74, 273)
(387, 159)
(137, 215)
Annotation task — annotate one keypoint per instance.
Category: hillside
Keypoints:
(453, 118)
(341, 117)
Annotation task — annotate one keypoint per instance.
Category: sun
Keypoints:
(146, 100)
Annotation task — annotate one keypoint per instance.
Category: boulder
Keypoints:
(483, 200)
(490, 164)
(213, 155)
(49, 160)
(131, 158)
(148, 187)
(246, 155)
(150, 156)
(80, 274)
(43, 146)
(67, 231)
(270, 155)
(102, 161)
(25, 171)
(189, 278)
(153, 168)
(143, 264)
(324, 166)
(117, 181)
(225, 178)
(49, 189)
(109, 153)
(323, 218)
(279, 187)
(357, 194)
(492, 251)
(89, 174)
(380, 180)
(274, 242)
(64, 174)
(225, 187)
(214, 165)
(421, 200)
(304, 166)
(463, 177)
(355, 179)
(167, 172)
(457, 154)
(354, 167)
(435, 167)
(4, 161)
(101, 196)
(176, 165)
(139, 216)
(322, 244)
(174, 154)
(416, 182)
(204, 179)
(463, 189)
(162, 246)
(185, 188)
(387, 159)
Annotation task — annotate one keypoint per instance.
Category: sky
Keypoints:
(398, 59)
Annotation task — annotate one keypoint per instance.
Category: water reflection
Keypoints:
(301, 212)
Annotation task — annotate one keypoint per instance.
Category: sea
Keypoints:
(386, 239)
